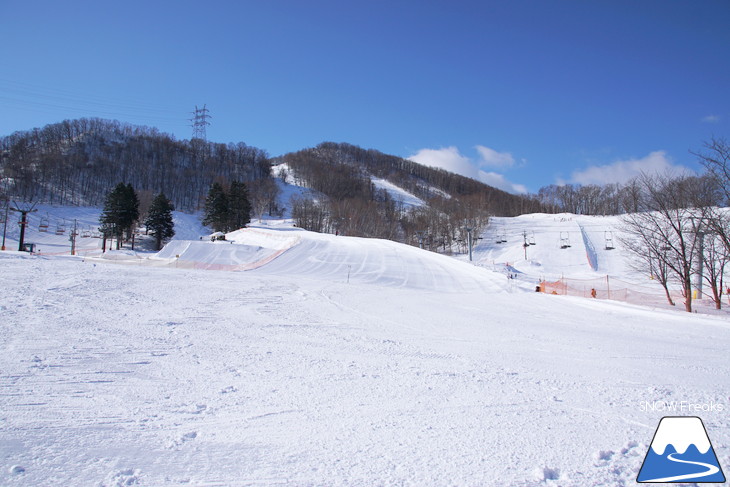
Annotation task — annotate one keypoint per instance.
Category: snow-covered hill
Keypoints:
(583, 249)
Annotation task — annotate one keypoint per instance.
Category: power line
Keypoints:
(42, 99)
(36, 91)
(41, 107)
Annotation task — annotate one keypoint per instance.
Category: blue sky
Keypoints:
(517, 93)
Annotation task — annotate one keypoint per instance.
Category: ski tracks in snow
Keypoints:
(120, 375)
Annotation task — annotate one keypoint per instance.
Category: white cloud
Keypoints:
(622, 171)
(492, 158)
(450, 159)
(711, 119)
(500, 182)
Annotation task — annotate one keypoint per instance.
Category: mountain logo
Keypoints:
(681, 452)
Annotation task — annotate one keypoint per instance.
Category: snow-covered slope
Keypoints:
(54, 239)
(281, 248)
(288, 187)
(49, 228)
(578, 255)
(397, 193)
(339, 361)
(558, 245)
(116, 375)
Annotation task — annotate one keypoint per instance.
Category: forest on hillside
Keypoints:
(77, 162)
(353, 205)
(422, 181)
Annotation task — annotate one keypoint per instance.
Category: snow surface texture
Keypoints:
(340, 361)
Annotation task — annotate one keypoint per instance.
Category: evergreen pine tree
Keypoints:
(217, 212)
(159, 219)
(239, 205)
(130, 213)
(121, 211)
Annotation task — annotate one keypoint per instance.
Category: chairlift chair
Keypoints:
(609, 240)
(60, 228)
(564, 240)
(43, 225)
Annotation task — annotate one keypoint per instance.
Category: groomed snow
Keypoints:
(418, 370)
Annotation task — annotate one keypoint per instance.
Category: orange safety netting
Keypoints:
(610, 288)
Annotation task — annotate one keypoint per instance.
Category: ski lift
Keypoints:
(564, 240)
(43, 225)
(502, 238)
(531, 239)
(608, 235)
(86, 233)
(60, 228)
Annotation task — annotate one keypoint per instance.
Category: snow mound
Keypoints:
(299, 253)
(372, 261)
(243, 249)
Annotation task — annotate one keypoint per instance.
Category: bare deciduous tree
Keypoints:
(716, 159)
(714, 261)
(665, 235)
